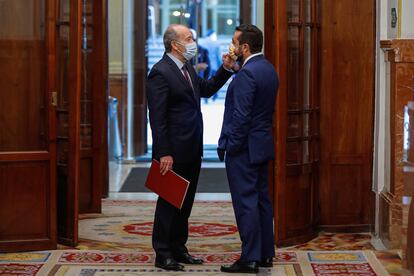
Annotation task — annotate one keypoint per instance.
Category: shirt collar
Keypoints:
(250, 57)
(176, 61)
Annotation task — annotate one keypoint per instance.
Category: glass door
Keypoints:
(296, 205)
(93, 107)
(82, 112)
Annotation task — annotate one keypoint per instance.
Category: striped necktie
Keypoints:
(187, 76)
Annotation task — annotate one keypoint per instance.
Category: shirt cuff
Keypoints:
(228, 70)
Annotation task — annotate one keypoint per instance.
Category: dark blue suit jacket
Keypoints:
(249, 107)
(174, 109)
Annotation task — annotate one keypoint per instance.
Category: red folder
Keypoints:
(171, 187)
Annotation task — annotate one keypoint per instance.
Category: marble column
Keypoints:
(400, 63)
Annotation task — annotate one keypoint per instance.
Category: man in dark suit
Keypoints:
(246, 140)
(174, 90)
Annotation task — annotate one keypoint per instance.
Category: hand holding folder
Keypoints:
(170, 187)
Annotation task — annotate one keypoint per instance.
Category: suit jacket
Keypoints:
(249, 107)
(174, 109)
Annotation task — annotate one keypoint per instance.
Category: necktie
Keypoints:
(187, 76)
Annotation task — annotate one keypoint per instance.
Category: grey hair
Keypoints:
(169, 36)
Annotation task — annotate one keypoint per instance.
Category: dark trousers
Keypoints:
(252, 206)
(170, 232)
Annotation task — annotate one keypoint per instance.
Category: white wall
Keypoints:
(388, 6)
(260, 14)
(407, 26)
(384, 31)
(117, 36)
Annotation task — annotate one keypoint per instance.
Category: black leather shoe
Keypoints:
(168, 264)
(266, 262)
(241, 267)
(187, 259)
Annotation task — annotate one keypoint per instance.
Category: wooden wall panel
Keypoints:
(347, 194)
(22, 98)
(26, 200)
(25, 205)
(346, 123)
(20, 19)
(299, 206)
(27, 133)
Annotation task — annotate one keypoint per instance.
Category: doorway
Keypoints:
(144, 22)
(213, 23)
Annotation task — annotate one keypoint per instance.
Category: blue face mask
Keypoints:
(190, 50)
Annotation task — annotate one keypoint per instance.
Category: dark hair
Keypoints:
(251, 35)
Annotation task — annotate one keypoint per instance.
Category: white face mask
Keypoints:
(231, 51)
(190, 50)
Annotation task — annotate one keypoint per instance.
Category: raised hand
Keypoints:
(228, 62)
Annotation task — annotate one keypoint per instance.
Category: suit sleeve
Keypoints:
(209, 87)
(243, 98)
(157, 95)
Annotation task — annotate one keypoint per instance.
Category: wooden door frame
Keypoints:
(100, 95)
(74, 88)
(275, 48)
(52, 87)
(140, 64)
(97, 155)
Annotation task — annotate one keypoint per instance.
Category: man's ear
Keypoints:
(246, 46)
(174, 45)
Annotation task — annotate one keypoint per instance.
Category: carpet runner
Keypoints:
(86, 263)
(118, 242)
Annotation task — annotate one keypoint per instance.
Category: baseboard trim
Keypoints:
(355, 228)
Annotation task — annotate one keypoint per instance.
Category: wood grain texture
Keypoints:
(69, 114)
(295, 57)
(27, 136)
(346, 115)
(94, 110)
